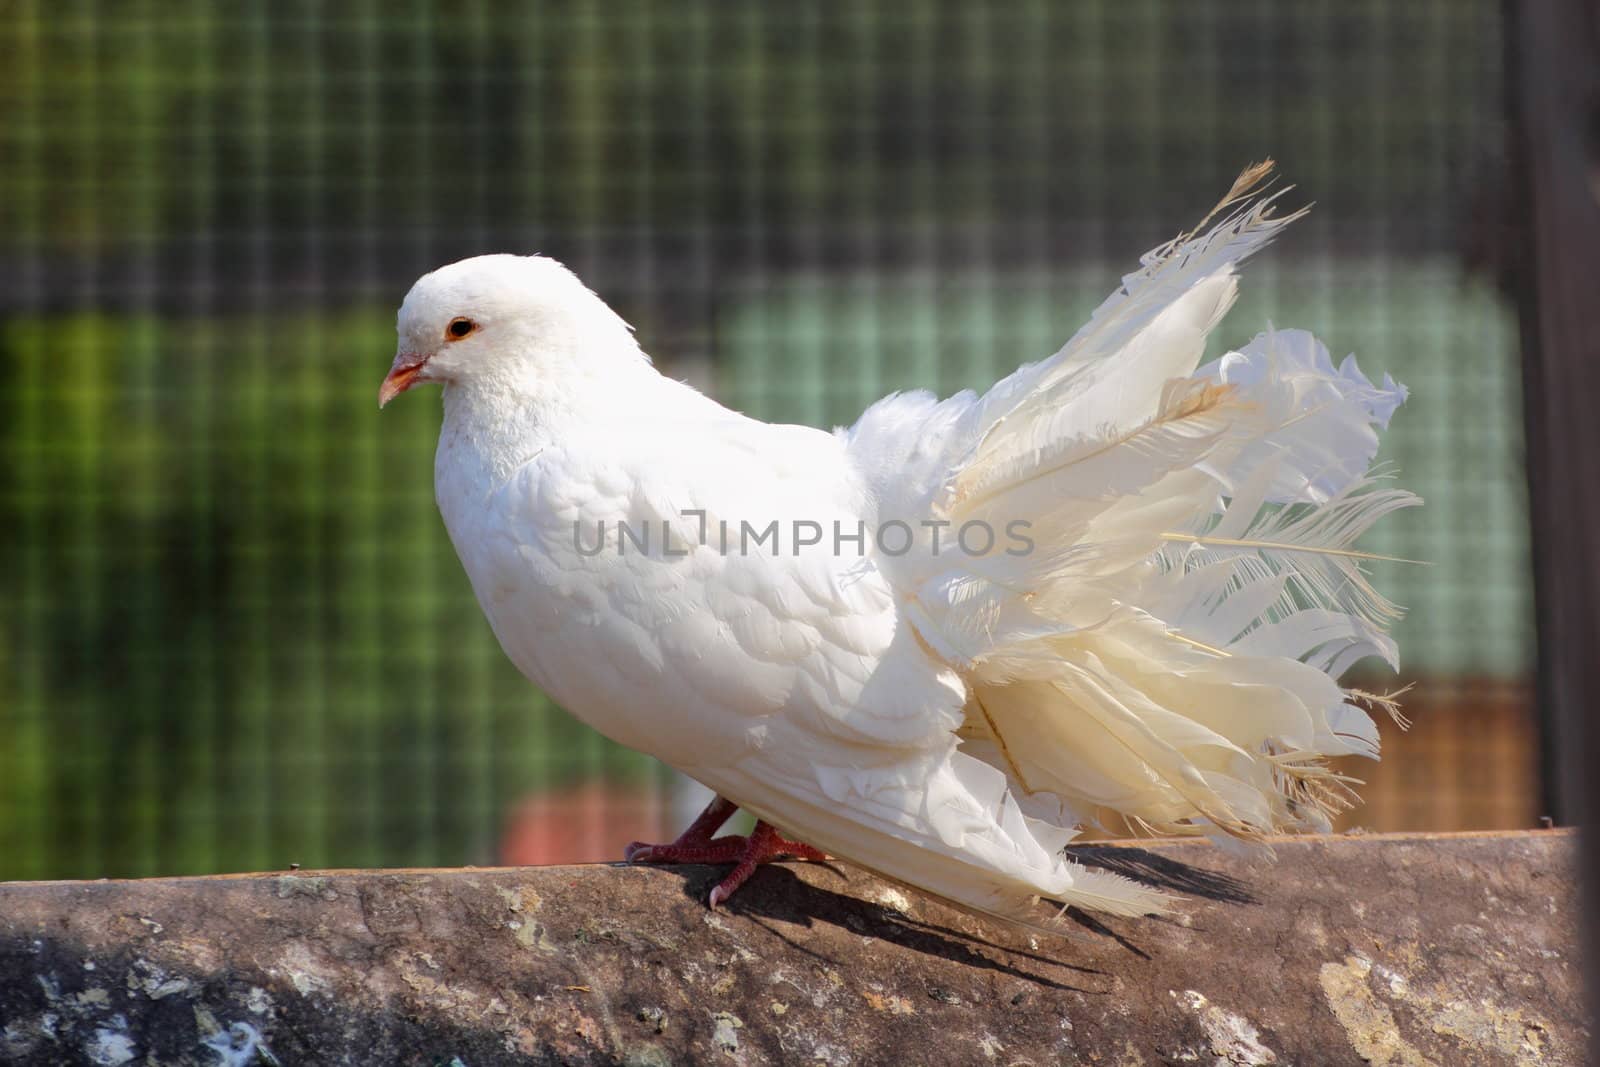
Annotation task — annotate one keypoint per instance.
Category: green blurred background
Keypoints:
(233, 633)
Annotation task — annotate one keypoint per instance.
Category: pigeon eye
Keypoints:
(459, 328)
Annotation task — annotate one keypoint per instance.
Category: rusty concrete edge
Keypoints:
(1357, 840)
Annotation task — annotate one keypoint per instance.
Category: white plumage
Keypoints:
(1164, 658)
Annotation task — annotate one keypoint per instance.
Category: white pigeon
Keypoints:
(812, 624)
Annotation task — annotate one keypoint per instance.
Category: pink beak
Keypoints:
(402, 376)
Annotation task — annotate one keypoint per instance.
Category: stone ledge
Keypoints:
(1448, 949)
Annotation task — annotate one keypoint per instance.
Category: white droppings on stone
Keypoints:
(302, 970)
(111, 1045)
(155, 983)
(240, 1045)
(891, 897)
(1224, 1031)
(1398, 986)
(314, 887)
(258, 1000)
(818, 997)
(1233, 1038)
(519, 899)
(828, 1054)
(22, 1037)
(991, 1046)
(305, 984)
(726, 1033)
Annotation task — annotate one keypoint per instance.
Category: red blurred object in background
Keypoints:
(588, 822)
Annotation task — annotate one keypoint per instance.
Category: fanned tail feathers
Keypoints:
(1167, 657)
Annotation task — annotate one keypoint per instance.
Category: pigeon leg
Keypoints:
(763, 844)
(694, 844)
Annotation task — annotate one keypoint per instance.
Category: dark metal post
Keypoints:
(1553, 53)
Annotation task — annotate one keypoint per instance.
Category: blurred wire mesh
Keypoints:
(234, 634)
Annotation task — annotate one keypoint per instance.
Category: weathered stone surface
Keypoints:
(1402, 950)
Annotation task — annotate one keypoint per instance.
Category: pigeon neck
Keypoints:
(494, 427)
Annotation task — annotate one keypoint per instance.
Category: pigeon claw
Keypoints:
(720, 850)
(691, 844)
(763, 844)
(745, 853)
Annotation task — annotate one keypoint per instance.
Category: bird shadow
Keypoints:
(777, 896)
(1163, 872)
(1159, 872)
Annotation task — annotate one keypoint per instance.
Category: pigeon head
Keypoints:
(504, 322)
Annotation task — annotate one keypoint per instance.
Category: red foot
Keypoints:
(695, 845)
(763, 844)
(696, 837)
